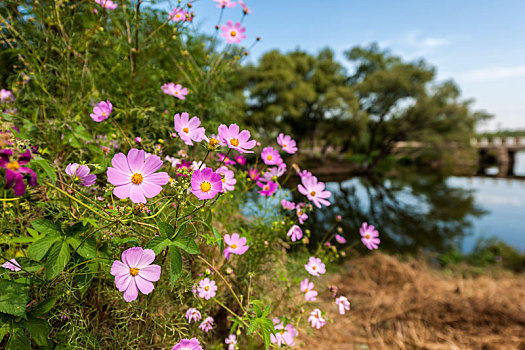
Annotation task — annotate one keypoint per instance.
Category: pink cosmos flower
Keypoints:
(135, 272)
(295, 232)
(81, 172)
(270, 156)
(240, 159)
(235, 139)
(101, 111)
(15, 173)
(225, 160)
(245, 8)
(283, 335)
(233, 33)
(12, 265)
(175, 90)
(288, 205)
(177, 15)
(287, 143)
(188, 344)
(6, 96)
(314, 191)
(197, 165)
(301, 215)
(207, 289)
(343, 304)
(207, 324)
(267, 189)
(193, 315)
(307, 288)
(316, 319)
(304, 173)
(315, 266)
(134, 176)
(369, 236)
(274, 172)
(236, 245)
(189, 129)
(340, 239)
(138, 139)
(107, 4)
(253, 174)
(205, 184)
(231, 341)
(227, 178)
(225, 3)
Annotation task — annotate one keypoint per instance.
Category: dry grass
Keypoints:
(406, 305)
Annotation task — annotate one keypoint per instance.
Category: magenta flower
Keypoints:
(6, 96)
(314, 191)
(267, 189)
(107, 4)
(177, 15)
(283, 335)
(225, 3)
(205, 184)
(207, 324)
(189, 129)
(295, 232)
(369, 236)
(207, 289)
(12, 265)
(188, 344)
(287, 143)
(288, 205)
(270, 156)
(240, 159)
(193, 315)
(138, 139)
(231, 341)
(316, 319)
(134, 176)
(233, 33)
(343, 304)
(135, 272)
(253, 174)
(15, 172)
(245, 8)
(307, 288)
(225, 160)
(81, 173)
(101, 111)
(227, 178)
(315, 266)
(175, 90)
(183, 165)
(340, 239)
(235, 139)
(236, 245)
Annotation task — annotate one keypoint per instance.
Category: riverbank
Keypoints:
(408, 305)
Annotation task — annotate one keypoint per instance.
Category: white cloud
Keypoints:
(414, 39)
(492, 73)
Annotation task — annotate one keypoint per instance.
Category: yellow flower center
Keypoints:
(214, 141)
(171, 180)
(269, 157)
(207, 288)
(13, 165)
(266, 188)
(306, 290)
(176, 92)
(233, 33)
(205, 186)
(284, 145)
(134, 271)
(234, 246)
(317, 316)
(312, 193)
(223, 180)
(282, 331)
(177, 15)
(314, 267)
(367, 236)
(186, 130)
(137, 179)
(234, 142)
(103, 114)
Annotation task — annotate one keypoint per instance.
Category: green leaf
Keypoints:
(166, 230)
(48, 169)
(34, 233)
(39, 249)
(187, 244)
(4, 329)
(38, 329)
(13, 298)
(158, 244)
(18, 340)
(84, 247)
(57, 259)
(43, 308)
(176, 264)
(76, 229)
(181, 231)
(82, 133)
(254, 324)
(47, 227)
(218, 236)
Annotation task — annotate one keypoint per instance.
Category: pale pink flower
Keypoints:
(177, 15)
(207, 289)
(316, 319)
(307, 288)
(193, 315)
(101, 111)
(314, 190)
(188, 344)
(227, 178)
(284, 336)
(295, 232)
(189, 129)
(245, 8)
(207, 324)
(225, 3)
(236, 245)
(107, 4)
(6, 96)
(369, 236)
(270, 156)
(287, 143)
(340, 239)
(12, 265)
(233, 33)
(175, 90)
(275, 172)
(301, 215)
(315, 266)
(239, 141)
(288, 205)
(231, 341)
(343, 304)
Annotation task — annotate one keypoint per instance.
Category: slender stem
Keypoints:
(16, 264)
(122, 132)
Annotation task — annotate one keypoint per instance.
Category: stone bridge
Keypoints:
(502, 150)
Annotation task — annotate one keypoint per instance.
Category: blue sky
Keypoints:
(478, 43)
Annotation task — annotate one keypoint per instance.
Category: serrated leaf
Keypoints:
(257, 310)
(38, 329)
(18, 340)
(84, 247)
(39, 249)
(43, 308)
(254, 324)
(176, 265)
(46, 227)
(4, 329)
(57, 259)
(158, 244)
(166, 230)
(13, 298)
(187, 244)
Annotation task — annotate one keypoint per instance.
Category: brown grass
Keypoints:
(406, 305)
